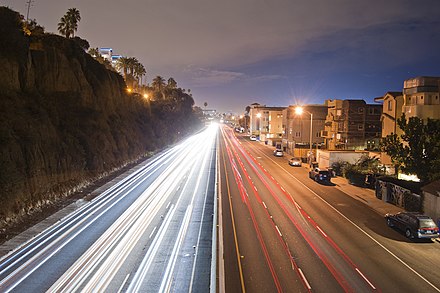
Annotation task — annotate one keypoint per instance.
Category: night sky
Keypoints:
(231, 53)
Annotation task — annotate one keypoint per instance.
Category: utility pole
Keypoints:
(28, 3)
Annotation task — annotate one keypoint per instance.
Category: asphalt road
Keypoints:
(284, 232)
(150, 232)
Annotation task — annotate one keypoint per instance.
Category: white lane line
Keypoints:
(264, 205)
(362, 275)
(123, 283)
(304, 279)
(154, 230)
(168, 205)
(279, 232)
(320, 230)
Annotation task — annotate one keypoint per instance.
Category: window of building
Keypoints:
(360, 127)
(297, 134)
(338, 112)
(360, 110)
(390, 106)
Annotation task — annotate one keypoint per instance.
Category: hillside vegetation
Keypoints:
(66, 120)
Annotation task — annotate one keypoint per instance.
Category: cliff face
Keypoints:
(66, 120)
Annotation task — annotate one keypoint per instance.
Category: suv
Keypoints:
(320, 175)
(413, 224)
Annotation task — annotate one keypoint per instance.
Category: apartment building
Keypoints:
(266, 122)
(296, 128)
(421, 97)
(352, 125)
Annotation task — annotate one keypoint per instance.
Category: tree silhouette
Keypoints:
(417, 150)
(68, 24)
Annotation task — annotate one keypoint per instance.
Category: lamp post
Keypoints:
(299, 111)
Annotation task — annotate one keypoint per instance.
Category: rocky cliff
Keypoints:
(65, 120)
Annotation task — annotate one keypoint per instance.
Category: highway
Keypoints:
(151, 232)
(283, 232)
(278, 231)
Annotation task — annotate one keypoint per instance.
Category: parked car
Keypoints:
(278, 153)
(295, 161)
(320, 175)
(253, 137)
(414, 225)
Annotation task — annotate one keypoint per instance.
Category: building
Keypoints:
(421, 97)
(296, 129)
(106, 53)
(391, 111)
(266, 122)
(352, 125)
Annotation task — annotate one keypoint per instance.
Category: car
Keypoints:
(253, 138)
(278, 153)
(320, 175)
(414, 225)
(295, 161)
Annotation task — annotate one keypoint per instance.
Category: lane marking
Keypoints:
(320, 230)
(279, 232)
(123, 283)
(362, 275)
(304, 279)
(152, 232)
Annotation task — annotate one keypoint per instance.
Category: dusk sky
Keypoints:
(232, 53)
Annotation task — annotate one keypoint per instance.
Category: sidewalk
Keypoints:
(366, 196)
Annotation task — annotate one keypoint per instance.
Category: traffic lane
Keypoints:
(346, 279)
(419, 255)
(354, 210)
(60, 255)
(278, 249)
(315, 272)
(42, 275)
(256, 274)
(342, 271)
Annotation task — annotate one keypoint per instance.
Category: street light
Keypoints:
(299, 111)
(259, 124)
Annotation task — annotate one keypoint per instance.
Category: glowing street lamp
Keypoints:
(259, 123)
(298, 111)
(146, 96)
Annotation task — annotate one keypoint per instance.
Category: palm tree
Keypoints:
(94, 52)
(122, 64)
(139, 71)
(158, 83)
(68, 24)
(172, 84)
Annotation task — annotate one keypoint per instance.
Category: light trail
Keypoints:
(345, 281)
(98, 266)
